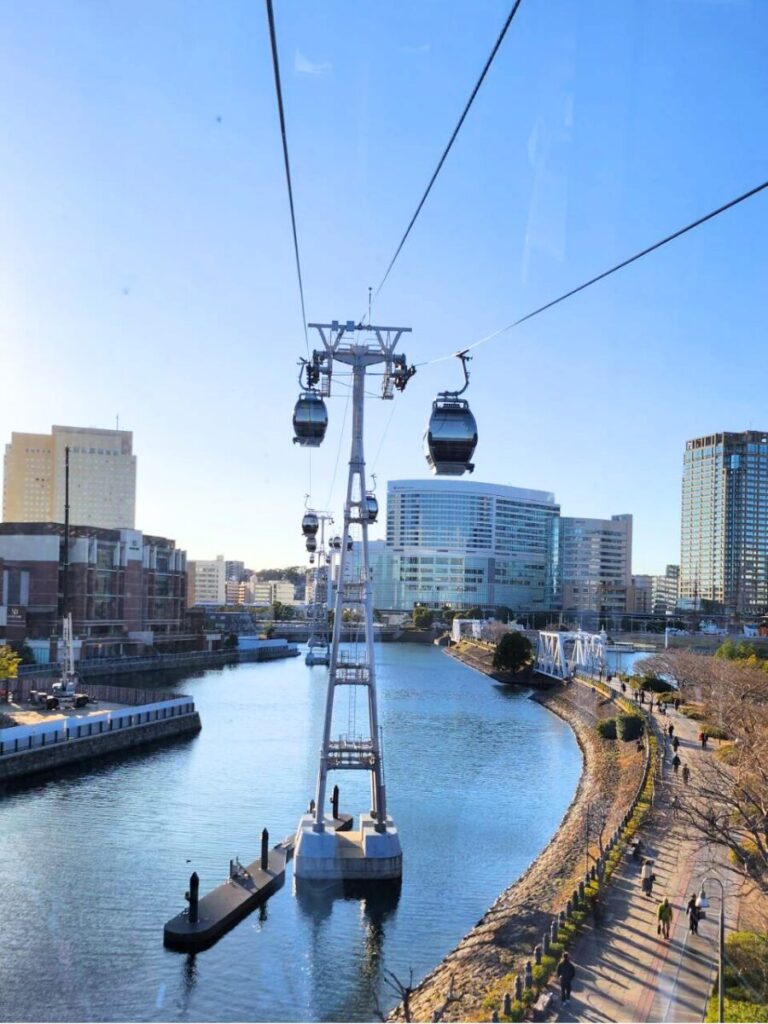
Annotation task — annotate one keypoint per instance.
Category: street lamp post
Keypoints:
(702, 902)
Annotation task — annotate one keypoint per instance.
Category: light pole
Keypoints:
(702, 902)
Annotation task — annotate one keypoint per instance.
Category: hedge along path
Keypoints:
(487, 961)
(624, 970)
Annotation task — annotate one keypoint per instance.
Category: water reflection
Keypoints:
(378, 905)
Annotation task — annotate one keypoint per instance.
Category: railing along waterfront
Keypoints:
(19, 738)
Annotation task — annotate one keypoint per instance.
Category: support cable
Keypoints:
(605, 273)
(279, 93)
(451, 141)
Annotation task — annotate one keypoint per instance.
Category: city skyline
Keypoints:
(151, 276)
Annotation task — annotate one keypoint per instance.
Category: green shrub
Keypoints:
(607, 728)
(540, 974)
(630, 727)
(656, 685)
(735, 1010)
(692, 711)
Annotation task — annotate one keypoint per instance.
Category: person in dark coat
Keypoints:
(671, 730)
(693, 914)
(676, 762)
(565, 972)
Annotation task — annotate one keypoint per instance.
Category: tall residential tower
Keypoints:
(724, 523)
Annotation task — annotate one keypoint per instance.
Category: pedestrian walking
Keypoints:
(677, 703)
(676, 762)
(646, 876)
(565, 972)
(686, 774)
(671, 730)
(693, 914)
(664, 916)
(675, 744)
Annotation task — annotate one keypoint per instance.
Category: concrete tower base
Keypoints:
(364, 855)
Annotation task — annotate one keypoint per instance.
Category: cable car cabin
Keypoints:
(309, 524)
(310, 420)
(371, 506)
(311, 544)
(451, 437)
(336, 543)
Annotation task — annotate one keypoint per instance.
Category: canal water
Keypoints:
(95, 860)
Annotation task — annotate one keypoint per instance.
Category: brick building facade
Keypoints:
(127, 590)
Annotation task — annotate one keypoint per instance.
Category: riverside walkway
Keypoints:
(624, 970)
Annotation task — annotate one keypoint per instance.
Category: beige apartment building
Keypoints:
(207, 581)
(596, 568)
(102, 477)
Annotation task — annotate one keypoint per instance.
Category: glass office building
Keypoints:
(467, 544)
(724, 524)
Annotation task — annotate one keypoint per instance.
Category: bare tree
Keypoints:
(688, 669)
(727, 803)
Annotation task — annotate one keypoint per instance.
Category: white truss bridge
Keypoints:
(561, 655)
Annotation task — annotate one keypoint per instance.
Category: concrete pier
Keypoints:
(364, 855)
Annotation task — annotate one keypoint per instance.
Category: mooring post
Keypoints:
(495, 1017)
(553, 931)
(545, 943)
(264, 849)
(335, 801)
(537, 954)
(528, 974)
(507, 1008)
(192, 897)
(518, 987)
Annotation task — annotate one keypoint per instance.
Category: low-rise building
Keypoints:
(125, 590)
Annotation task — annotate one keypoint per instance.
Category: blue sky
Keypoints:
(147, 268)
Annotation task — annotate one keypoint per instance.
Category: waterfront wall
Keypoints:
(129, 734)
(265, 650)
(504, 937)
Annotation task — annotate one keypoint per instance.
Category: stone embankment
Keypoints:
(57, 755)
(503, 939)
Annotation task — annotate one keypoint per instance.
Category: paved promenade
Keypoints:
(624, 970)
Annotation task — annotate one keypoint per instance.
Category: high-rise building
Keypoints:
(595, 568)
(102, 477)
(641, 595)
(466, 544)
(206, 582)
(665, 591)
(724, 523)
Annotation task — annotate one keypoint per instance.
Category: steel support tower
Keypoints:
(373, 851)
